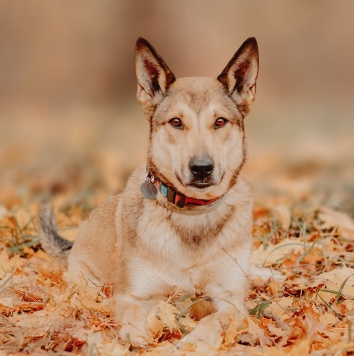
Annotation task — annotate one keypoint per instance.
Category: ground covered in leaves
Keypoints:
(303, 232)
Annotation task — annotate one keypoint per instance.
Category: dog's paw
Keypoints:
(133, 335)
(208, 331)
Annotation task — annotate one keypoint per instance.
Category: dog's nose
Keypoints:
(201, 166)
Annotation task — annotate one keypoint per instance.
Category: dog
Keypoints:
(184, 220)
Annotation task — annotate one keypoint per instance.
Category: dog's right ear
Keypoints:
(152, 74)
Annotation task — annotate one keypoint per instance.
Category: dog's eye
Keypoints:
(176, 123)
(220, 122)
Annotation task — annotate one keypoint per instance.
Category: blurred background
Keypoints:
(70, 125)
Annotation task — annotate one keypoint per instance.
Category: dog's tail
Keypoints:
(51, 241)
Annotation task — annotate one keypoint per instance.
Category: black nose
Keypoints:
(201, 166)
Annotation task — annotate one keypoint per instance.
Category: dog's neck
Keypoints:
(177, 201)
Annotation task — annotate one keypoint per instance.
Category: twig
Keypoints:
(254, 284)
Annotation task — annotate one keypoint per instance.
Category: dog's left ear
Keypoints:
(153, 76)
(240, 75)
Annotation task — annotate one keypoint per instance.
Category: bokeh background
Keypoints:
(70, 125)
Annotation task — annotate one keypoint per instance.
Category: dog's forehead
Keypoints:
(198, 93)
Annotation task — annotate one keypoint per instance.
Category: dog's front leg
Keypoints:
(132, 314)
(227, 293)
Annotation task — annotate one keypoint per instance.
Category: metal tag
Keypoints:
(148, 190)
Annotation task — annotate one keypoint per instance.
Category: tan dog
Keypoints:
(185, 220)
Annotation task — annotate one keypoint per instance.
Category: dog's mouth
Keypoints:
(200, 184)
(196, 183)
(205, 182)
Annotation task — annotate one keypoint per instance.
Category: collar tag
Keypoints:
(148, 189)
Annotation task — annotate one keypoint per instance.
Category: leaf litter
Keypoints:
(302, 305)
(309, 310)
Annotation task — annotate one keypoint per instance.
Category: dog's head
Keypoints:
(196, 124)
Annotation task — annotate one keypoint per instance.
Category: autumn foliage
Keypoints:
(305, 307)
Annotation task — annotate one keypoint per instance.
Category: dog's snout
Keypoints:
(201, 167)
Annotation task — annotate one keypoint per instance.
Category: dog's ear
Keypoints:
(240, 75)
(153, 75)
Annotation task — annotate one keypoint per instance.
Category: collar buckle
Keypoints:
(171, 195)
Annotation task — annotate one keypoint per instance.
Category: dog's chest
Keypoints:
(179, 240)
(167, 259)
(156, 277)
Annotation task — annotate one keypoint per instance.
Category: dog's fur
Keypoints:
(149, 248)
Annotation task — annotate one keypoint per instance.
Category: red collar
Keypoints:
(175, 197)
